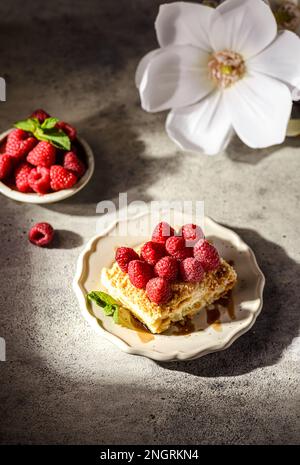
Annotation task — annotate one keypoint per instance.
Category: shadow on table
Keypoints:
(239, 152)
(64, 239)
(120, 163)
(276, 327)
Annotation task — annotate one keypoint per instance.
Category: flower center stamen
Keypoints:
(226, 68)
(287, 16)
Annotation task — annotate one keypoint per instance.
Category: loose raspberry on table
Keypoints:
(19, 143)
(191, 270)
(21, 177)
(162, 232)
(68, 129)
(191, 233)
(60, 178)
(39, 180)
(207, 254)
(176, 247)
(151, 252)
(139, 273)
(41, 234)
(43, 154)
(40, 114)
(124, 255)
(159, 290)
(74, 164)
(167, 267)
(6, 166)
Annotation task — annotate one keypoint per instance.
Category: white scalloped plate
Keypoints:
(247, 297)
(52, 196)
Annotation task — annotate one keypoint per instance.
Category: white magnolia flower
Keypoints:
(221, 70)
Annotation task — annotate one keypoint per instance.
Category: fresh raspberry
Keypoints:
(19, 144)
(42, 155)
(40, 114)
(207, 254)
(124, 255)
(6, 165)
(159, 290)
(39, 179)
(167, 267)
(162, 232)
(191, 270)
(74, 164)
(60, 178)
(21, 175)
(139, 273)
(191, 233)
(41, 234)
(176, 247)
(68, 129)
(151, 252)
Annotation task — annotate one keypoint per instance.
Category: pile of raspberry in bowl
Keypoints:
(41, 155)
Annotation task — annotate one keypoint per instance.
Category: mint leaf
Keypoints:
(110, 306)
(55, 136)
(28, 125)
(94, 296)
(49, 123)
(47, 131)
(116, 316)
(106, 298)
(109, 310)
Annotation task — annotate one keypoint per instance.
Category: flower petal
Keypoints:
(260, 108)
(141, 68)
(244, 26)
(205, 126)
(183, 23)
(280, 60)
(175, 77)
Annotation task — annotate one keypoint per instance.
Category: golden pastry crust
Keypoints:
(188, 298)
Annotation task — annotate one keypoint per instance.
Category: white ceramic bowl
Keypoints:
(247, 296)
(52, 196)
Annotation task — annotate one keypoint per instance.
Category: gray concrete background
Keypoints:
(62, 383)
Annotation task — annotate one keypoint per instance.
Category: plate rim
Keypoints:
(155, 355)
(52, 197)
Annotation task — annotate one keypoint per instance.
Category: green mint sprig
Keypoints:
(46, 131)
(109, 305)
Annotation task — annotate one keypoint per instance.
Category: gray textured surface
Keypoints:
(61, 382)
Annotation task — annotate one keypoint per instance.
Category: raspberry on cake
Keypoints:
(191, 233)
(162, 232)
(167, 267)
(177, 247)
(159, 295)
(139, 273)
(159, 290)
(191, 270)
(124, 255)
(207, 255)
(151, 252)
